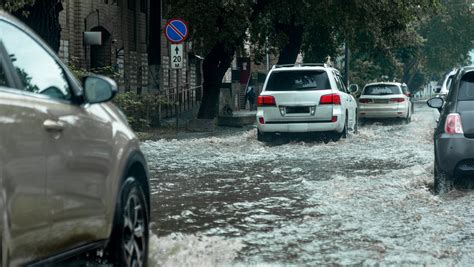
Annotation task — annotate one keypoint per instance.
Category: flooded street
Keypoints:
(231, 200)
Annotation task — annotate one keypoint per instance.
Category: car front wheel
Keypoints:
(129, 241)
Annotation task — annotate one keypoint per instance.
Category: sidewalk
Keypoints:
(239, 118)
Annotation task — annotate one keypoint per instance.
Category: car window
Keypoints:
(382, 89)
(340, 85)
(298, 81)
(47, 78)
(450, 80)
(404, 89)
(3, 77)
(466, 87)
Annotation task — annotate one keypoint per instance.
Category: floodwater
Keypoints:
(367, 200)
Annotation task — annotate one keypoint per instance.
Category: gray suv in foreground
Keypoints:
(454, 134)
(72, 176)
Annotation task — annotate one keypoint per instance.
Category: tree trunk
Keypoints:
(410, 71)
(43, 18)
(214, 67)
(289, 53)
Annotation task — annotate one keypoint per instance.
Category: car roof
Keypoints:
(303, 67)
(387, 83)
(467, 69)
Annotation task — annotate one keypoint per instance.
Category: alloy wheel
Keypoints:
(134, 239)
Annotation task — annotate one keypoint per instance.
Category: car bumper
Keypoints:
(301, 127)
(455, 154)
(383, 112)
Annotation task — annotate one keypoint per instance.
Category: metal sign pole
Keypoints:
(176, 104)
(176, 31)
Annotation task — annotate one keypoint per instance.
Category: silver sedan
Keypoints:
(385, 100)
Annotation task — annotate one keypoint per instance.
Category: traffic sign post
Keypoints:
(176, 31)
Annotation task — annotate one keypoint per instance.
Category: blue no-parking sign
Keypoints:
(176, 31)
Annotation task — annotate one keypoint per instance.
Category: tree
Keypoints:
(40, 15)
(286, 28)
(448, 37)
(218, 28)
(319, 28)
(431, 45)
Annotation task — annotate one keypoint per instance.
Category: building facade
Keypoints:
(124, 29)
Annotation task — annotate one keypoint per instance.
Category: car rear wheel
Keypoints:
(443, 182)
(129, 241)
(407, 120)
(356, 124)
(337, 136)
(264, 137)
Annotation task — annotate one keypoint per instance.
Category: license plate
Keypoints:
(380, 101)
(297, 110)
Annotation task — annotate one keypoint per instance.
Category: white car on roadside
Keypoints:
(385, 100)
(305, 98)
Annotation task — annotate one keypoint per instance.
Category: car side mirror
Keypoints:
(99, 89)
(353, 88)
(435, 102)
(408, 94)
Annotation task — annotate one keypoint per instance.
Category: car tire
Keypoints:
(337, 136)
(443, 182)
(356, 124)
(263, 137)
(129, 241)
(407, 120)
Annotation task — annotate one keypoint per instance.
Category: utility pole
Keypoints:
(347, 56)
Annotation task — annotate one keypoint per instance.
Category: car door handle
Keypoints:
(53, 126)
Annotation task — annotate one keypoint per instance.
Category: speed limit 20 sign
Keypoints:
(176, 56)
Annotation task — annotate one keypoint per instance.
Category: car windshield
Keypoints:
(466, 89)
(298, 81)
(382, 90)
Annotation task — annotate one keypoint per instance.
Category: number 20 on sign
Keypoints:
(176, 56)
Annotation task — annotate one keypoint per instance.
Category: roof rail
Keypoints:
(301, 65)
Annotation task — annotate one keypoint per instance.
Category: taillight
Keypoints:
(453, 124)
(261, 120)
(266, 100)
(332, 99)
(398, 100)
(365, 101)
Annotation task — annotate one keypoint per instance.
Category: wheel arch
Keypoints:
(137, 167)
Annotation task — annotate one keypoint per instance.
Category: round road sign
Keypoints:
(176, 31)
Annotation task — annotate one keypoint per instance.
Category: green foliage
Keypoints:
(142, 111)
(438, 40)
(14, 5)
(214, 21)
(448, 38)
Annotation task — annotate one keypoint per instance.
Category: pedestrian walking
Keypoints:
(251, 96)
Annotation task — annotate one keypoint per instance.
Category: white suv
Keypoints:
(305, 98)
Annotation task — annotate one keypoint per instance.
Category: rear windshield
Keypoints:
(298, 81)
(466, 88)
(382, 89)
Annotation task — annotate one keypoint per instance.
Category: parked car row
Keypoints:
(313, 98)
